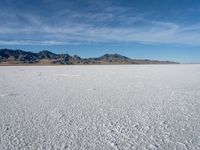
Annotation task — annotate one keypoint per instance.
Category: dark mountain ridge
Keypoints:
(14, 57)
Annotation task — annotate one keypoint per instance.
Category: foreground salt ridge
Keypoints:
(100, 107)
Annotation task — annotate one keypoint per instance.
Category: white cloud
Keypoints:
(31, 42)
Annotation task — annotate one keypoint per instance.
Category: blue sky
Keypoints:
(153, 29)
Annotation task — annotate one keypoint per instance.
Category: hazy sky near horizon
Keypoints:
(154, 29)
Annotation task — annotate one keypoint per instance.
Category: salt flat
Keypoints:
(100, 107)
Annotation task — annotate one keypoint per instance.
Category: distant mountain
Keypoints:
(47, 55)
(14, 57)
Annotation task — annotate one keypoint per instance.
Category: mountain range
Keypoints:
(20, 57)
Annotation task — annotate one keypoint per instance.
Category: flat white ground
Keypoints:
(100, 107)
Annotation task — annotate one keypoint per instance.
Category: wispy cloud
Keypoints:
(112, 24)
(31, 42)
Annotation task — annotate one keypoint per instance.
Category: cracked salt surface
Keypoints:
(100, 107)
